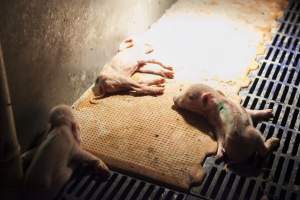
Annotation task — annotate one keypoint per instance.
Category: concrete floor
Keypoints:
(53, 50)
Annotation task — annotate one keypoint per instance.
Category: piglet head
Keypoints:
(62, 115)
(195, 100)
(99, 87)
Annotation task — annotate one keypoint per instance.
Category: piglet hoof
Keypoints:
(159, 90)
(219, 157)
(169, 67)
(99, 167)
(160, 81)
(220, 153)
(168, 74)
(156, 90)
(268, 114)
(272, 144)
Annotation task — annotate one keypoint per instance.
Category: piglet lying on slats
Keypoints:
(236, 136)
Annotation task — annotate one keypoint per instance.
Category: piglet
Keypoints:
(58, 156)
(232, 124)
(132, 56)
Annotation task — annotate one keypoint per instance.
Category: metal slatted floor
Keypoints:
(119, 186)
(275, 85)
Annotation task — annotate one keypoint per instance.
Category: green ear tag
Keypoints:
(223, 112)
(221, 106)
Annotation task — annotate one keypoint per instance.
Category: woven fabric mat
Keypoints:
(146, 135)
(215, 42)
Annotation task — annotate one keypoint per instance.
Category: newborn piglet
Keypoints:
(57, 156)
(132, 57)
(233, 127)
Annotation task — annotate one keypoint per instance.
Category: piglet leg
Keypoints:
(260, 115)
(162, 72)
(144, 88)
(157, 81)
(220, 142)
(149, 59)
(257, 141)
(267, 147)
(220, 151)
(153, 61)
(82, 156)
(272, 143)
(151, 90)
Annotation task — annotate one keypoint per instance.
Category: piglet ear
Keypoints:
(99, 93)
(98, 89)
(206, 98)
(221, 93)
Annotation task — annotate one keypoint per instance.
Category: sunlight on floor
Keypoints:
(214, 42)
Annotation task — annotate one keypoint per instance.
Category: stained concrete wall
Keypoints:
(53, 49)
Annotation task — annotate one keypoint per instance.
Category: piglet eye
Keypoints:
(97, 80)
(193, 96)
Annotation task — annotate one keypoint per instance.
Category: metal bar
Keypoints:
(255, 190)
(10, 160)
(81, 186)
(143, 191)
(134, 189)
(223, 186)
(123, 188)
(110, 191)
(245, 189)
(100, 189)
(283, 171)
(234, 187)
(88, 189)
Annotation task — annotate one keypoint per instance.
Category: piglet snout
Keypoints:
(176, 100)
